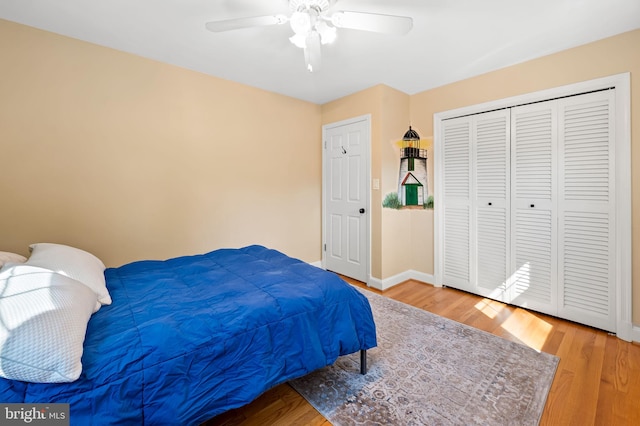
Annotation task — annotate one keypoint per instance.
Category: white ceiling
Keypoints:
(451, 39)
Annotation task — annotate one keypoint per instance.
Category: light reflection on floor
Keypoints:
(525, 326)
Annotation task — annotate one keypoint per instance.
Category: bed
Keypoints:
(182, 340)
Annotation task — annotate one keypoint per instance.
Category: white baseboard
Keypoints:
(400, 278)
(391, 281)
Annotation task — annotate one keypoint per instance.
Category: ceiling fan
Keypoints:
(313, 25)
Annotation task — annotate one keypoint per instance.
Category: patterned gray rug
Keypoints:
(429, 370)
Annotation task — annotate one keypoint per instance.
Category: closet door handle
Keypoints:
(533, 205)
(490, 203)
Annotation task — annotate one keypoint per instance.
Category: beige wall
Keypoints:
(392, 232)
(603, 58)
(398, 232)
(133, 159)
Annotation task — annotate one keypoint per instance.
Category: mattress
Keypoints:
(188, 338)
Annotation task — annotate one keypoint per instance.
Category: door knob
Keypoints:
(361, 211)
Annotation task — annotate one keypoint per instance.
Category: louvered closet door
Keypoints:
(533, 214)
(586, 210)
(456, 142)
(491, 206)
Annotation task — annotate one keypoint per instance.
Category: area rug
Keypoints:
(429, 370)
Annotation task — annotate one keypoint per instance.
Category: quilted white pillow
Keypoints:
(43, 322)
(74, 263)
(7, 257)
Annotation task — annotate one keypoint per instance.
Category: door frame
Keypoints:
(622, 84)
(366, 170)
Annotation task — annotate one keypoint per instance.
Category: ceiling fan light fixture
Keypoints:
(299, 40)
(306, 22)
(327, 33)
(300, 22)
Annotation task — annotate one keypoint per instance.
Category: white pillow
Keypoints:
(6, 257)
(74, 263)
(43, 322)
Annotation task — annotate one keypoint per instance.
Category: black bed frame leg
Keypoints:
(363, 361)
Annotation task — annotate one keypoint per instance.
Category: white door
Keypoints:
(587, 206)
(491, 203)
(346, 197)
(457, 190)
(476, 194)
(534, 228)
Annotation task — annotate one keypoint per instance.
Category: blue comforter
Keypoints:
(188, 338)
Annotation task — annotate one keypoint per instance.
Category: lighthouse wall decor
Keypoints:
(413, 189)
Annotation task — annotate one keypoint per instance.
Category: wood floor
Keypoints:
(597, 381)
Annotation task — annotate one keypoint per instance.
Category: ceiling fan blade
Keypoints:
(235, 24)
(386, 24)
